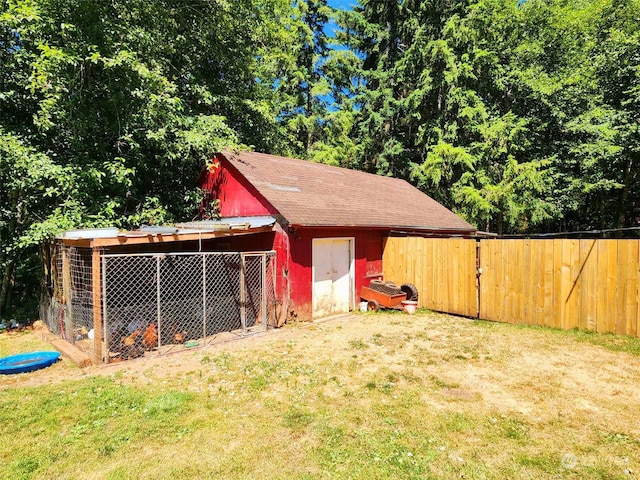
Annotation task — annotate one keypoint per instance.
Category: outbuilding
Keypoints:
(330, 224)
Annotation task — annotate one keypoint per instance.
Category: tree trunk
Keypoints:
(7, 285)
(624, 196)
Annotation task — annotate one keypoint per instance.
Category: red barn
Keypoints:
(330, 223)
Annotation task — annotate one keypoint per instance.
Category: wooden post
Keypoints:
(96, 285)
(66, 329)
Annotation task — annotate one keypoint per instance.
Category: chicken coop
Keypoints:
(125, 294)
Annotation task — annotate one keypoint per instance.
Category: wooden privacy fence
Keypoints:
(443, 270)
(562, 283)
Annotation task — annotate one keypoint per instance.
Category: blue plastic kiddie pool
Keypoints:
(27, 362)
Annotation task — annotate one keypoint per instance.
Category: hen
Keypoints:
(150, 337)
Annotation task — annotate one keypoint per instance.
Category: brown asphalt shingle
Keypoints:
(313, 194)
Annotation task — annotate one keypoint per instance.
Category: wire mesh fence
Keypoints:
(67, 309)
(165, 301)
(159, 302)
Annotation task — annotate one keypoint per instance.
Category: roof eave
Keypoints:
(397, 228)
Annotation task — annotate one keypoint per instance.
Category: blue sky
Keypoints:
(342, 4)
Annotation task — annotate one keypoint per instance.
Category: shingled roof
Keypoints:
(313, 194)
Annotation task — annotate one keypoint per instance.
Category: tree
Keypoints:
(126, 100)
(521, 116)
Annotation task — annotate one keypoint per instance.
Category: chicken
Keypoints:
(131, 347)
(130, 341)
(180, 337)
(150, 337)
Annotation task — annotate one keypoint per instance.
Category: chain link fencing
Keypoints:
(159, 302)
(166, 301)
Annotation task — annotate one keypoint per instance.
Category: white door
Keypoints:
(332, 276)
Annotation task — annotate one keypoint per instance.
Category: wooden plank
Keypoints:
(638, 290)
(487, 282)
(528, 276)
(471, 275)
(454, 276)
(549, 282)
(476, 280)
(621, 288)
(611, 283)
(484, 278)
(571, 252)
(418, 279)
(439, 299)
(509, 262)
(538, 267)
(408, 273)
(559, 299)
(630, 311)
(588, 285)
(601, 286)
(517, 283)
(468, 273)
(389, 257)
(427, 291)
(502, 281)
(534, 298)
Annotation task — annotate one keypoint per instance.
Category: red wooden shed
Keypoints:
(330, 224)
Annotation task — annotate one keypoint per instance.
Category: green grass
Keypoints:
(393, 400)
(610, 341)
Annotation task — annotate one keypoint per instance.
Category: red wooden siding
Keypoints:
(300, 272)
(238, 198)
(293, 248)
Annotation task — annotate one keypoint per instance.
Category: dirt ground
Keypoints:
(503, 366)
(562, 387)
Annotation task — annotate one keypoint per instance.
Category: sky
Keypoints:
(342, 4)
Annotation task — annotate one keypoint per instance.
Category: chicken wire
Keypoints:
(163, 301)
(67, 306)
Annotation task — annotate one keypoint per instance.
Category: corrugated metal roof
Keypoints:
(230, 223)
(313, 194)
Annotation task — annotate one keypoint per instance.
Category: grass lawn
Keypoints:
(367, 396)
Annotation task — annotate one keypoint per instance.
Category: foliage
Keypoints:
(522, 116)
(518, 115)
(115, 106)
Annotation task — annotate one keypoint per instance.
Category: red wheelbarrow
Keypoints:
(381, 294)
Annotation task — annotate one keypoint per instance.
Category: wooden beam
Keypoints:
(66, 330)
(149, 239)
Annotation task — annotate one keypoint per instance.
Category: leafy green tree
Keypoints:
(521, 116)
(125, 101)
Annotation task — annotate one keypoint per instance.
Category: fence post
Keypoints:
(98, 353)
(158, 314)
(263, 300)
(243, 297)
(66, 329)
(204, 295)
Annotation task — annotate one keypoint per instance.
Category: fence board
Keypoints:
(561, 283)
(443, 270)
(588, 281)
(572, 249)
(630, 304)
(612, 257)
(537, 283)
(638, 293)
(558, 299)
